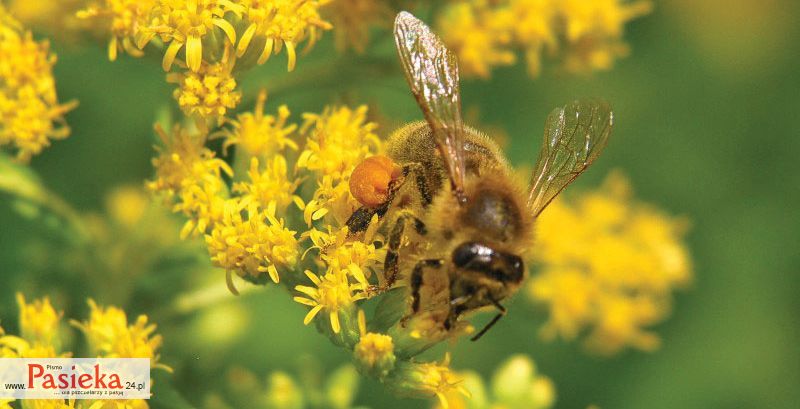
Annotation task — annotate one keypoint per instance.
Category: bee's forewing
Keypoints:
(574, 136)
(432, 73)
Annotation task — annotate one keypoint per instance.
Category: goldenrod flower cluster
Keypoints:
(587, 33)
(30, 114)
(108, 333)
(608, 265)
(208, 39)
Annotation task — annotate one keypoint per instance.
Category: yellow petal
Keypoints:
(169, 55)
(311, 314)
(305, 301)
(267, 51)
(227, 28)
(335, 322)
(291, 54)
(112, 49)
(273, 273)
(194, 53)
(244, 42)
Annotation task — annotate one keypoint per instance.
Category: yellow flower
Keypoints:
(110, 336)
(53, 17)
(184, 161)
(187, 23)
(374, 352)
(250, 240)
(279, 23)
(594, 30)
(38, 321)
(258, 134)
(188, 171)
(484, 33)
(337, 140)
(272, 185)
(209, 91)
(608, 265)
(30, 115)
(479, 36)
(533, 28)
(123, 19)
(333, 292)
(339, 251)
(430, 378)
(352, 20)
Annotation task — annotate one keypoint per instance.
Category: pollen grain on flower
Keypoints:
(608, 264)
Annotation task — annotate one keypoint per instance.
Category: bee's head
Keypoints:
(481, 258)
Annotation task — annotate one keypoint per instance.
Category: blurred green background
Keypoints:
(706, 110)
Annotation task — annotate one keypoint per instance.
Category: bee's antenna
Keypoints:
(492, 322)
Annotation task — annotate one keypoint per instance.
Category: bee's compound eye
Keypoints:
(516, 267)
(476, 255)
(370, 180)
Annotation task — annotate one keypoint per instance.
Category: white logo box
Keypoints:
(74, 378)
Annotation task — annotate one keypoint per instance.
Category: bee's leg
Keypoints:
(493, 321)
(422, 183)
(390, 263)
(416, 283)
(416, 279)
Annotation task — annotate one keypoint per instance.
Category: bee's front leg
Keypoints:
(416, 283)
(390, 263)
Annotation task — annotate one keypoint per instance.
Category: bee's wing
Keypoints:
(432, 73)
(574, 136)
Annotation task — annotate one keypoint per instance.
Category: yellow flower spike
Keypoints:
(613, 273)
(30, 114)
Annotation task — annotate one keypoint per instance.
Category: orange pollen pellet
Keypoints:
(369, 182)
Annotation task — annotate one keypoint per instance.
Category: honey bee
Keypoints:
(454, 187)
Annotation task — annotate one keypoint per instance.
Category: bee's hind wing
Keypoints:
(574, 136)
